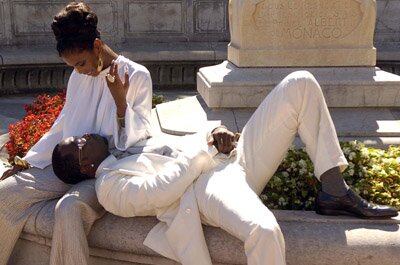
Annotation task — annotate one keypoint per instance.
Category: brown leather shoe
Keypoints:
(351, 204)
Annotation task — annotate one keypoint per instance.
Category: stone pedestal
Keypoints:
(280, 33)
(228, 86)
(271, 38)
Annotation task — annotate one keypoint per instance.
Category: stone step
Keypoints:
(228, 86)
(377, 127)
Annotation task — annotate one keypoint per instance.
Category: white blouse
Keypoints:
(90, 108)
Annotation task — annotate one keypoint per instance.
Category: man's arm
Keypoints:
(131, 193)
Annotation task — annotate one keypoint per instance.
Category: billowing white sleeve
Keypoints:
(127, 194)
(137, 114)
(40, 154)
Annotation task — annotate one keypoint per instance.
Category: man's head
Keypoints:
(77, 158)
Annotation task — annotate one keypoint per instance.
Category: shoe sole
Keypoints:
(331, 212)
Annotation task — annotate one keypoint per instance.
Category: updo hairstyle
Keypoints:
(75, 28)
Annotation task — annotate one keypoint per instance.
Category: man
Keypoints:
(212, 182)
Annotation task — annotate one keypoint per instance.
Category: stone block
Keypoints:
(189, 74)
(228, 86)
(387, 24)
(33, 18)
(279, 33)
(45, 78)
(176, 74)
(8, 82)
(310, 240)
(2, 22)
(184, 116)
(210, 17)
(155, 17)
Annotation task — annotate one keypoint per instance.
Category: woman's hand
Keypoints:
(224, 140)
(117, 88)
(12, 171)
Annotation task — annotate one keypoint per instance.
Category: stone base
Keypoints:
(316, 57)
(310, 239)
(228, 86)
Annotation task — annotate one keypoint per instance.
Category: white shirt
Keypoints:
(90, 108)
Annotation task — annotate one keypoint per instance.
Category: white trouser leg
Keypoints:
(75, 214)
(296, 105)
(20, 196)
(225, 200)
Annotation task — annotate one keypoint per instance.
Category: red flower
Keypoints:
(38, 120)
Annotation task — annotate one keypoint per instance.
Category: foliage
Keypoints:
(38, 120)
(373, 173)
(157, 99)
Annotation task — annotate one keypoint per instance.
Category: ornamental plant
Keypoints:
(372, 173)
(41, 115)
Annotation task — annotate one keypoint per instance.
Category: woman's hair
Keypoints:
(75, 27)
(66, 167)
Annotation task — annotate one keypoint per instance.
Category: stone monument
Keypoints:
(333, 39)
(279, 33)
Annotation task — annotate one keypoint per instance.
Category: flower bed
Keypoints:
(39, 118)
(373, 173)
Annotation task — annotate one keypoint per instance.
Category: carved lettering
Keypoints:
(307, 19)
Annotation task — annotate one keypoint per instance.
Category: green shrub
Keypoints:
(157, 99)
(373, 173)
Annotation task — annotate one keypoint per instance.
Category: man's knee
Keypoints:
(272, 230)
(265, 233)
(305, 85)
(9, 184)
(67, 206)
(265, 226)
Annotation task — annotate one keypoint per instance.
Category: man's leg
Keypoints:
(75, 214)
(296, 105)
(20, 196)
(225, 200)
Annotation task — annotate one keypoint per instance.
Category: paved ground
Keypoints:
(186, 112)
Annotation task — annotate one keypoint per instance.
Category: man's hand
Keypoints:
(12, 171)
(224, 140)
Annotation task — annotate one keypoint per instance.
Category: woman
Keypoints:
(98, 101)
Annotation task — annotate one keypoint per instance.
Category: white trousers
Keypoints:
(30, 191)
(228, 196)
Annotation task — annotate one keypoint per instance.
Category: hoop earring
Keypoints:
(100, 65)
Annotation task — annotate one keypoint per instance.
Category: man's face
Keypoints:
(90, 148)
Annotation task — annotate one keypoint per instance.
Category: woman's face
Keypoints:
(83, 61)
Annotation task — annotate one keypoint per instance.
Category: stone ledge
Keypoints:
(310, 240)
(148, 52)
(228, 86)
(201, 51)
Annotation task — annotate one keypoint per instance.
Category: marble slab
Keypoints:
(183, 116)
(228, 86)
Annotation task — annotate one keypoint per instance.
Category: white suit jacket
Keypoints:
(160, 184)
